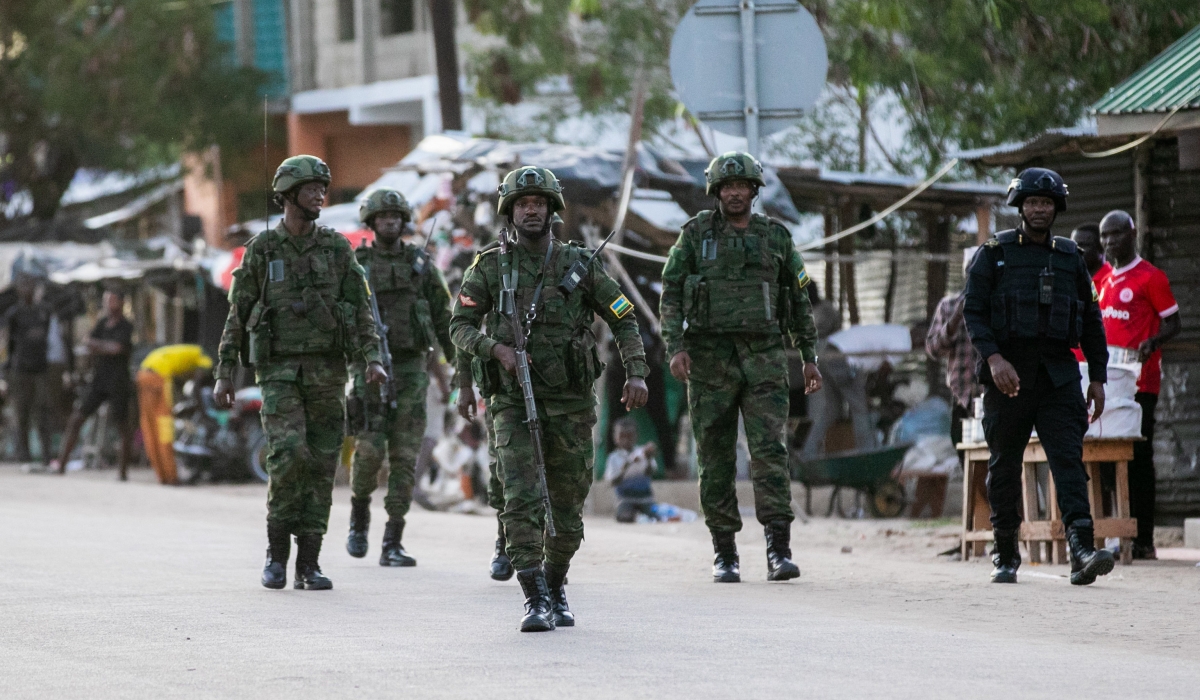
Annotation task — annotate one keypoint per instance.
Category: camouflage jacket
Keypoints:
(412, 296)
(315, 316)
(561, 345)
(723, 280)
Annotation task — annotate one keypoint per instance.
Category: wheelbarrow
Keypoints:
(868, 475)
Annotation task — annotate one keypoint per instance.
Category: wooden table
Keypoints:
(1036, 531)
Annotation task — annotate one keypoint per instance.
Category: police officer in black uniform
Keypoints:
(1029, 300)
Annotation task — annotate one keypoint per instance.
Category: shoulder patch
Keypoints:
(1095, 294)
(802, 278)
(620, 307)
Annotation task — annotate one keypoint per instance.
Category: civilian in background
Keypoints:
(1140, 314)
(60, 364)
(947, 340)
(628, 469)
(156, 399)
(28, 325)
(109, 346)
(1087, 239)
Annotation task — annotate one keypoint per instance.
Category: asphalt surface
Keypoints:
(133, 590)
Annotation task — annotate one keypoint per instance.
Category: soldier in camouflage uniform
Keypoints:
(501, 568)
(737, 281)
(562, 352)
(298, 310)
(414, 304)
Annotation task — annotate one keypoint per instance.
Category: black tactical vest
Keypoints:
(1036, 293)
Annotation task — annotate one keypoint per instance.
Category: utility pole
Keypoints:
(445, 50)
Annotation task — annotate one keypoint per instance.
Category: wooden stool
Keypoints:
(1036, 531)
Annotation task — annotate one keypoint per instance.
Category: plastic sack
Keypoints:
(932, 454)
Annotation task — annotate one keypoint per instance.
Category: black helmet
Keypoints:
(1038, 182)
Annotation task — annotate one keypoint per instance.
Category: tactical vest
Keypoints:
(303, 291)
(736, 286)
(561, 346)
(396, 280)
(1035, 292)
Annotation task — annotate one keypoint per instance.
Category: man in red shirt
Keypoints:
(1140, 314)
(1087, 239)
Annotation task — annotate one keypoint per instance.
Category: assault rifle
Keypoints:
(520, 335)
(387, 392)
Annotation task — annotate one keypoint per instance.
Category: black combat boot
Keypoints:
(308, 571)
(556, 578)
(279, 548)
(725, 563)
(779, 552)
(393, 553)
(1006, 558)
(539, 611)
(1087, 562)
(502, 568)
(360, 522)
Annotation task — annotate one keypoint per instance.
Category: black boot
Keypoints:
(393, 553)
(1087, 562)
(556, 577)
(779, 552)
(502, 568)
(360, 522)
(1006, 558)
(279, 548)
(308, 571)
(725, 563)
(539, 613)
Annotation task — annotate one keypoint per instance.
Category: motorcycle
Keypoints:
(215, 444)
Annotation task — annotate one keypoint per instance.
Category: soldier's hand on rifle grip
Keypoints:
(635, 393)
(466, 402)
(1004, 375)
(376, 373)
(681, 365)
(507, 357)
(812, 378)
(1095, 401)
(223, 393)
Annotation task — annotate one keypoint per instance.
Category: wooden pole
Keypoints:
(445, 49)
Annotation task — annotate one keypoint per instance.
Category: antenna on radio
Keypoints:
(266, 173)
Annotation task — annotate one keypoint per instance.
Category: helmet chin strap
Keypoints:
(309, 214)
(536, 236)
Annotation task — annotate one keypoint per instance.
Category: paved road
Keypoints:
(138, 591)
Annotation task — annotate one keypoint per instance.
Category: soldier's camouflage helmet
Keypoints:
(731, 166)
(381, 200)
(526, 180)
(1038, 182)
(298, 170)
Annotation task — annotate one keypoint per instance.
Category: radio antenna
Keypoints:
(266, 174)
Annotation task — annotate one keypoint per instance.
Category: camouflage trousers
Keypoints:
(495, 494)
(304, 425)
(396, 433)
(567, 444)
(747, 376)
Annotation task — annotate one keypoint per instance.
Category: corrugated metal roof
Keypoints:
(1170, 80)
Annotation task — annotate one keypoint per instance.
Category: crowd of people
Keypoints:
(314, 316)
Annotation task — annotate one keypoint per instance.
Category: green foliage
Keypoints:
(115, 84)
(977, 72)
(598, 45)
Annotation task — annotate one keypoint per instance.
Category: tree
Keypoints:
(113, 84)
(977, 72)
(599, 46)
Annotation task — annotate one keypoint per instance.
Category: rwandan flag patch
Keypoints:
(620, 307)
(802, 278)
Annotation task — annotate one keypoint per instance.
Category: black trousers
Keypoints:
(1060, 416)
(1141, 472)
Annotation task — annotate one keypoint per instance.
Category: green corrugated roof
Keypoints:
(1170, 80)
